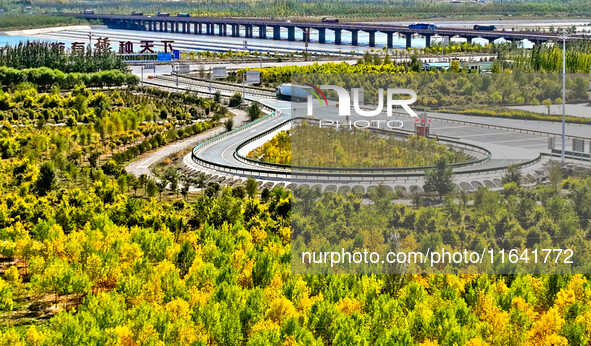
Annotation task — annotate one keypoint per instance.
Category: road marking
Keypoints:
(485, 134)
(522, 139)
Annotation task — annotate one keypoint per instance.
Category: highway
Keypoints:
(149, 22)
(508, 141)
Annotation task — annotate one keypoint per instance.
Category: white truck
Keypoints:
(293, 92)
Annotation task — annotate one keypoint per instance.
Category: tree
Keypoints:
(455, 66)
(555, 174)
(161, 184)
(548, 104)
(93, 159)
(151, 188)
(46, 180)
(184, 258)
(251, 187)
(513, 175)
(440, 178)
(185, 190)
(143, 180)
(229, 124)
(235, 100)
(254, 111)
(172, 176)
(133, 182)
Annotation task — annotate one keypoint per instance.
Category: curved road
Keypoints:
(507, 146)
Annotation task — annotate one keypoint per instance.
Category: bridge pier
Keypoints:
(354, 37)
(322, 35)
(248, 31)
(150, 26)
(306, 34)
(469, 39)
(161, 26)
(372, 38)
(408, 40)
(262, 31)
(291, 33)
(277, 32)
(337, 36)
(427, 41)
(222, 29)
(390, 40)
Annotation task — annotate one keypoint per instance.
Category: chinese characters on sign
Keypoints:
(103, 44)
(126, 47)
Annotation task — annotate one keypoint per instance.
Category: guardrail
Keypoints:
(319, 176)
(505, 128)
(487, 155)
(202, 84)
(333, 176)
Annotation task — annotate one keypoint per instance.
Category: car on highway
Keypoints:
(88, 12)
(330, 20)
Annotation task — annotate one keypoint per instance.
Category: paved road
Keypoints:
(506, 146)
(142, 164)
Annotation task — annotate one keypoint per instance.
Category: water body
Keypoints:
(196, 43)
(14, 40)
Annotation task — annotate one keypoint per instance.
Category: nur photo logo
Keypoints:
(344, 100)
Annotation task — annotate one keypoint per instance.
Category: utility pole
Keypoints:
(563, 154)
(210, 78)
(243, 81)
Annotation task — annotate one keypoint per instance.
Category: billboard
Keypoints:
(164, 57)
(219, 72)
(578, 145)
(253, 77)
(183, 69)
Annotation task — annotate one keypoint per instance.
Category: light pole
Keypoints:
(562, 155)
(90, 35)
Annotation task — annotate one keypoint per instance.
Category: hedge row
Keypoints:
(45, 77)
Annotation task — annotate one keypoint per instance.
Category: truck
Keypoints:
(430, 26)
(134, 13)
(293, 92)
(163, 14)
(484, 27)
(183, 15)
(88, 12)
(329, 20)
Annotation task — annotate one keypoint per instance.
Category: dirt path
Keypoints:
(141, 165)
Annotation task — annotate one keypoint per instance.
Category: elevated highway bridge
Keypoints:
(244, 27)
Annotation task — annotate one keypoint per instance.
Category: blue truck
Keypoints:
(422, 26)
